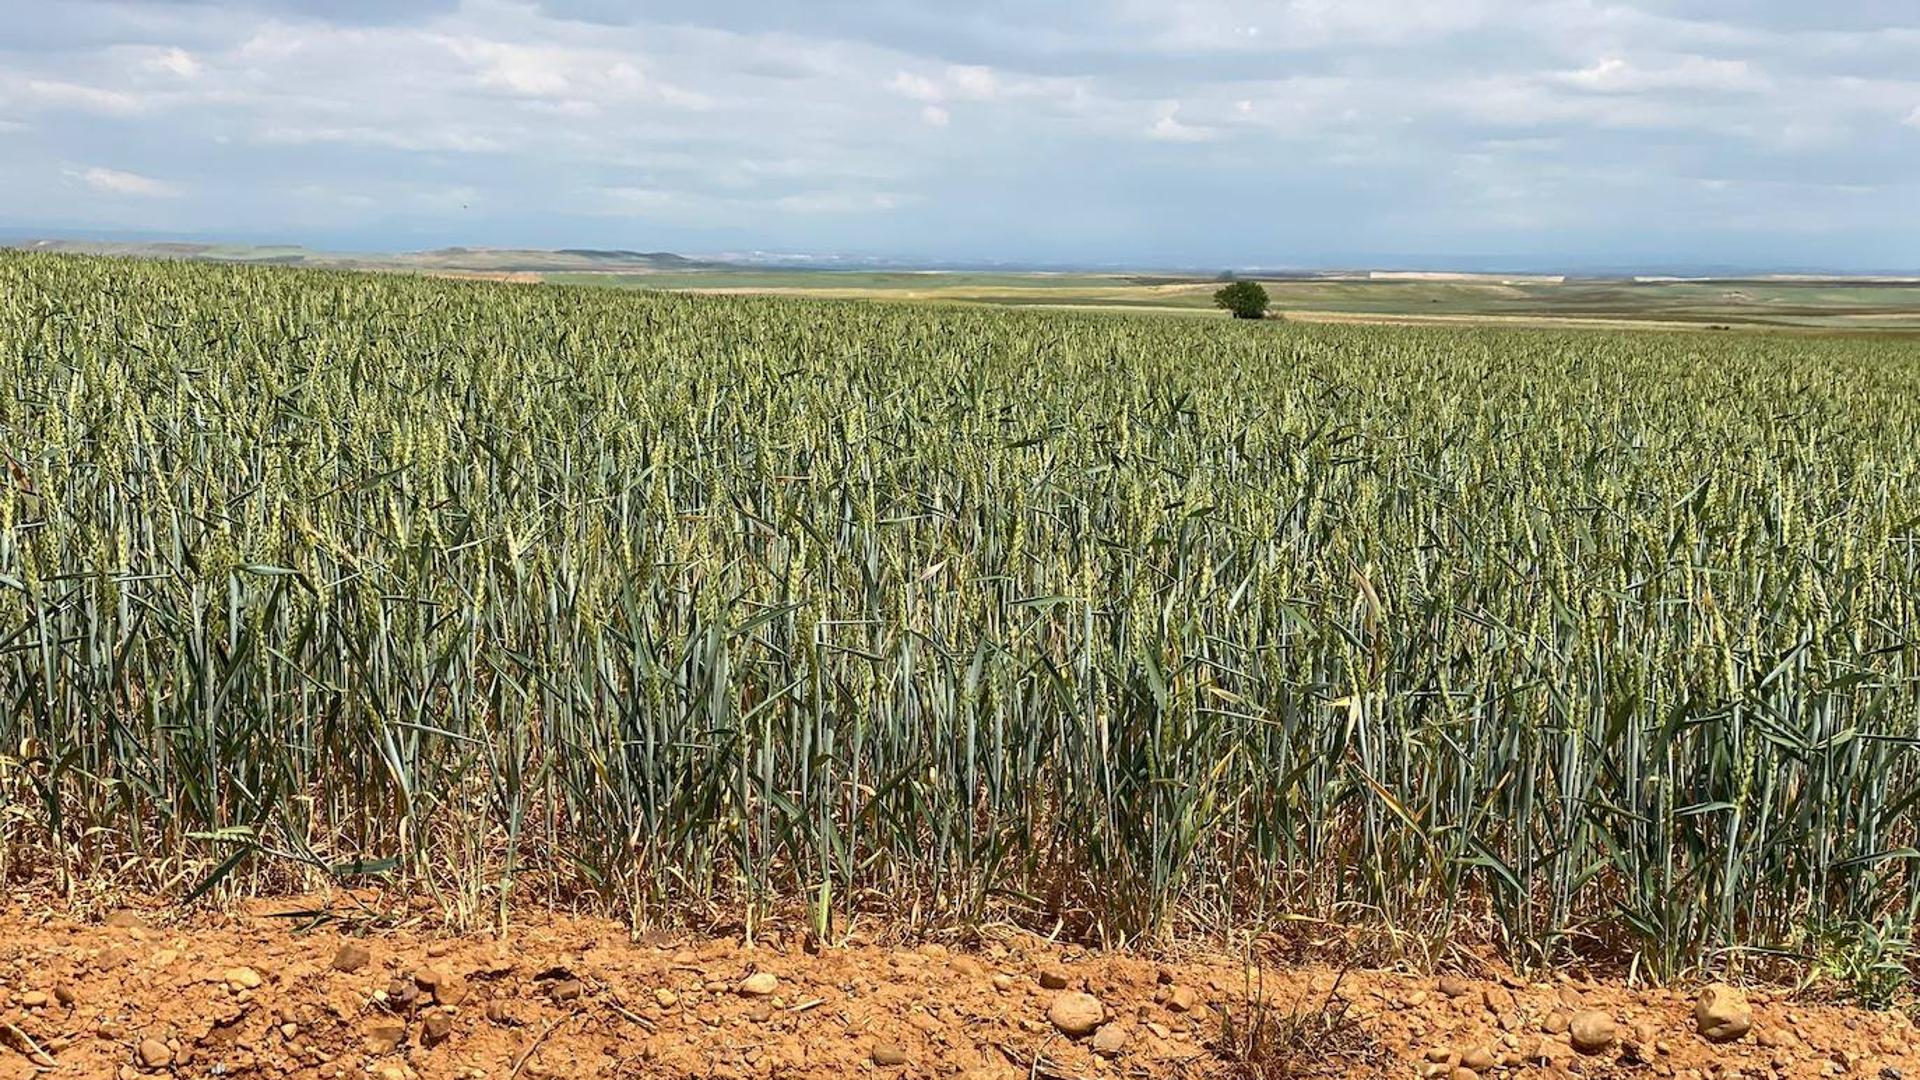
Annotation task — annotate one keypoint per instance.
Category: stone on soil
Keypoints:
(385, 1036)
(1592, 1032)
(154, 1054)
(351, 957)
(242, 978)
(1721, 1013)
(1076, 1014)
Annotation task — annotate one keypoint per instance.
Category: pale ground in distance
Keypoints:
(1872, 305)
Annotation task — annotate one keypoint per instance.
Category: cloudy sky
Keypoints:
(1149, 132)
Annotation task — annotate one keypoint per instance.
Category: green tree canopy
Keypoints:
(1246, 299)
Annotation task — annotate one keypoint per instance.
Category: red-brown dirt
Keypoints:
(251, 994)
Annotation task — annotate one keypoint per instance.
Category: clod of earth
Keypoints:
(350, 957)
(1180, 999)
(1076, 1014)
(385, 1036)
(1593, 1032)
(1721, 1013)
(242, 978)
(154, 1054)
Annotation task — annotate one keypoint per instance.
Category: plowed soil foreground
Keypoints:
(252, 994)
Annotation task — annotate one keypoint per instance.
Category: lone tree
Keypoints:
(1246, 299)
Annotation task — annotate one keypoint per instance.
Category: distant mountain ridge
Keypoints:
(476, 260)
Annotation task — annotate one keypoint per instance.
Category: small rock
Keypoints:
(451, 990)
(1439, 1055)
(1054, 978)
(34, 999)
(1076, 1014)
(761, 1012)
(154, 1054)
(1461, 1072)
(1592, 1032)
(1454, 986)
(1181, 999)
(888, 1054)
(566, 989)
(1555, 1023)
(666, 998)
(1479, 1059)
(64, 995)
(126, 919)
(1109, 1040)
(1721, 1013)
(498, 1012)
(1003, 982)
(759, 984)
(436, 1028)
(401, 993)
(385, 1037)
(350, 957)
(242, 978)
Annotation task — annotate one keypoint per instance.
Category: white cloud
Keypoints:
(116, 182)
(973, 82)
(322, 193)
(59, 94)
(449, 140)
(556, 71)
(935, 116)
(977, 83)
(636, 200)
(1615, 74)
(177, 62)
(917, 87)
(837, 202)
(1167, 126)
(1913, 118)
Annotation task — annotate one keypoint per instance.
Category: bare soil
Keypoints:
(254, 992)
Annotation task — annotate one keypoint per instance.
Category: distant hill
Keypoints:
(442, 260)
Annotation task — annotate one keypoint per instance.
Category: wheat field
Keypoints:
(647, 603)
